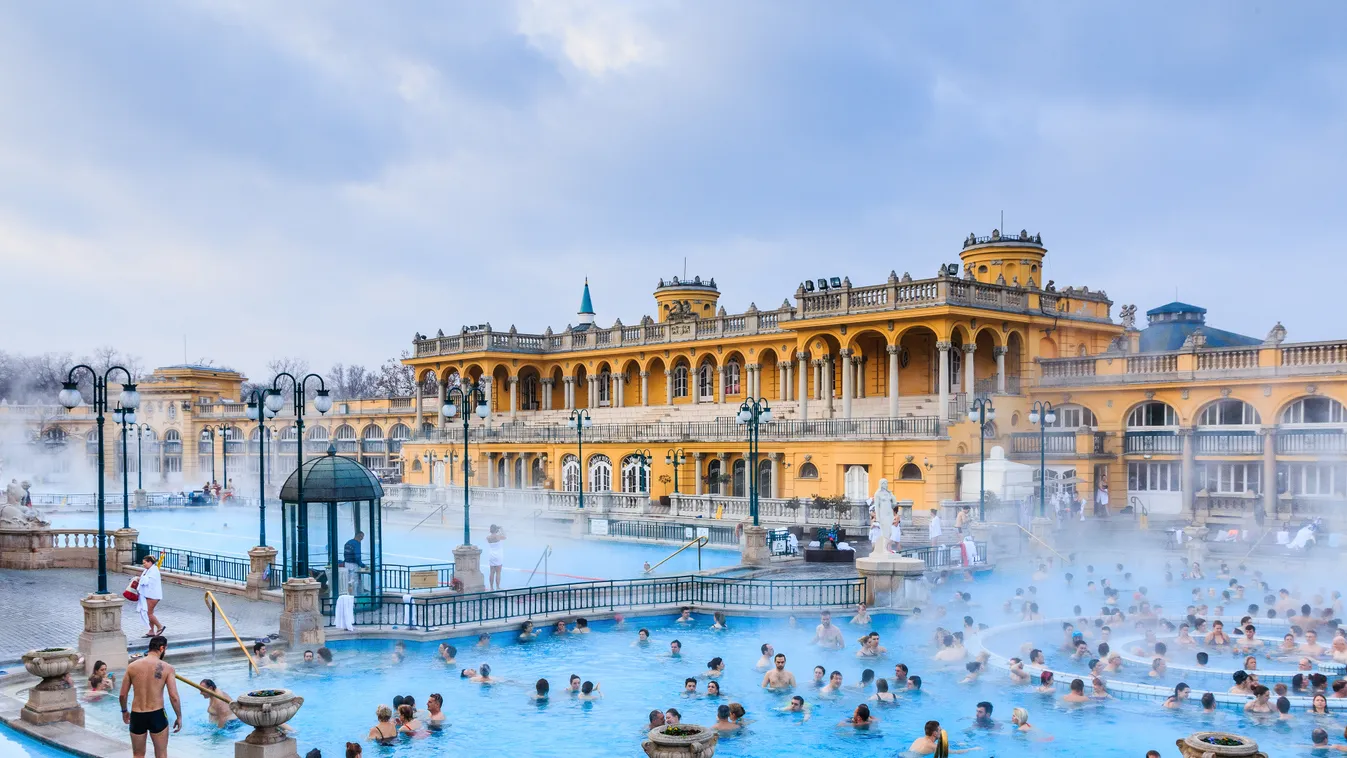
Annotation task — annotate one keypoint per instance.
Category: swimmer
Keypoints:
(581, 626)
(101, 680)
(484, 675)
(1242, 686)
(1217, 637)
(974, 671)
(862, 617)
(779, 678)
(715, 667)
(1045, 684)
(483, 641)
(642, 638)
(950, 652)
(325, 655)
(723, 722)
(1019, 719)
(399, 653)
(1260, 703)
(1098, 690)
(559, 627)
(1249, 641)
(1319, 706)
(541, 690)
(685, 617)
(934, 742)
(383, 730)
(1284, 709)
(675, 649)
(1312, 647)
(218, 711)
(1077, 693)
(721, 622)
(765, 662)
(407, 716)
(526, 632)
(1017, 673)
(820, 676)
(448, 653)
(834, 684)
(1181, 692)
(713, 688)
(656, 720)
(1157, 669)
(860, 718)
(882, 693)
(826, 635)
(672, 717)
(797, 705)
(589, 691)
(690, 687)
(1184, 638)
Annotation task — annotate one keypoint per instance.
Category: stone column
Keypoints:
(697, 472)
(509, 470)
(514, 394)
(259, 561)
(720, 388)
(592, 395)
(491, 470)
(969, 375)
(804, 386)
(123, 549)
(1188, 475)
(301, 619)
(1000, 353)
(775, 458)
(942, 377)
(818, 379)
(893, 380)
(847, 379)
(645, 388)
(52, 700)
(783, 378)
(488, 389)
(547, 394)
(668, 386)
(858, 365)
(828, 386)
(614, 391)
(102, 638)
(419, 390)
(440, 389)
(754, 546)
(1270, 471)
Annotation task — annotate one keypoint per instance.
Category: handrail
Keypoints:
(204, 691)
(214, 606)
(547, 552)
(700, 542)
(1031, 536)
(427, 518)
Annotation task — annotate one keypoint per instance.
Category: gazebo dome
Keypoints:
(332, 478)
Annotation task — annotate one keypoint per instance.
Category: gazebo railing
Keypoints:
(396, 577)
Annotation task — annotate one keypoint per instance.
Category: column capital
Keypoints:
(1000, 350)
(1268, 431)
(645, 374)
(513, 380)
(944, 345)
(817, 362)
(894, 349)
(723, 456)
(970, 347)
(698, 455)
(755, 366)
(803, 356)
(569, 379)
(846, 352)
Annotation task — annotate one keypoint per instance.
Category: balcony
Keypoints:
(1229, 443)
(1152, 443)
(1311, 441)
(1054, 443)
(1297, 359)
(372, 446)
(925, 427)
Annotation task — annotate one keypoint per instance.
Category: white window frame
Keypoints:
(1294, 414)
(600, 474)
(1219, 413)
(635, 475)
(570, 474)
(1137, 415)
(1154, 476)
(680, 381)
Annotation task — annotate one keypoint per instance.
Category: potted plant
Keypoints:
(681, 741)
(265, 711)
(1217, 744)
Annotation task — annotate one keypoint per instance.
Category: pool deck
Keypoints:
(42, 610)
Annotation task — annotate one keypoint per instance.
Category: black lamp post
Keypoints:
(70, 397)
(322, 402)
(752, 414)
(982, 413)
(125, 417)
(141, 431)
(466, 390)
(1042, 414)
(644, 458)
(675, 458)
(580, 421)
(221, 431)
(259, 412)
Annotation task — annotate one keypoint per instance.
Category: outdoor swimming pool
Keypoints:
(16, 745)
(232, 530)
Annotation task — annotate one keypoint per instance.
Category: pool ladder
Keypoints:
(700, 542)
(542, 561)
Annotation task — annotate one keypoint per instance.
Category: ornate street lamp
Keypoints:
(982, 413)
(259, 411)
(580, 421)
(752, 414)
(467, 391)
(645, 458)
(322, 402)
(125, 417)
(130, 399)
(1042, 414)
(675, 458)
(142, 430)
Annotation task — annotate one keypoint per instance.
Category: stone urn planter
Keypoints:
(265, 711)
(1217, 744)
(52, 699)
(681, 741)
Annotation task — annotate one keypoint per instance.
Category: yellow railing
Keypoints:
(700, 542)
(214, 605)
(204, 691)
(1031, 536)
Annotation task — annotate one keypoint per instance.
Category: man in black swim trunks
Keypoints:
(149, 676)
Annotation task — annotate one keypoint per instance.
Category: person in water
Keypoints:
(779, 678)
(383, 730)
(218, 711)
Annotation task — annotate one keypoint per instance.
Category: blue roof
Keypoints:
(585, 305)
(1176, 307)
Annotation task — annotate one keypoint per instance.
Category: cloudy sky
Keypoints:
(324, 179)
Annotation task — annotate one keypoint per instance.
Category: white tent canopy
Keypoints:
(1006, 479)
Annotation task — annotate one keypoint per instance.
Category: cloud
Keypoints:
(595, 37)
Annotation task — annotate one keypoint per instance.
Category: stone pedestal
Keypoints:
(892, 581)
(688, 741)
(123, 549)
(579, 525)
(139, 500)
(52, 699)
(1195, 544)
(468, 568)
(102, 638)
(302, 620)
(266, 711)
(755, 549)
(259, 561)
(1041, 529)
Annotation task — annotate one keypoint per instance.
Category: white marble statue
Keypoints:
(884, 504)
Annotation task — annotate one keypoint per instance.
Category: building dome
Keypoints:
(332, 478)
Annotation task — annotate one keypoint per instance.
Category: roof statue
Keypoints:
(1276, 335)
(1128, 313)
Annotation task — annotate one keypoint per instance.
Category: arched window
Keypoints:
(732, 373)
(172, 436)
(345, 432)
(1314, 410)
(808, 471)
(635, 475)
(706, 381)
(765, 479)
(570, 474)
(1152, 413)
(1072, 417)
(713, 477)
(738, 481)
(500, 471)
(400, 432)
(600, 474)
(372, 432)
(172, 451)
(289, 434)
(416, 465)
(427, 428)
(1228, 413)
(910, 472)
(319, 434)
(857, 483)
(680, 381)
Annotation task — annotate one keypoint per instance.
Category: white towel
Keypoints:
(344, 616)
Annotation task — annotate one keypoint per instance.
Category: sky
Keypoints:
(324, 179)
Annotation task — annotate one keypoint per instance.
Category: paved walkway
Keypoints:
(42, 609)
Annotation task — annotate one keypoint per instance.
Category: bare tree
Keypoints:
(395, 378)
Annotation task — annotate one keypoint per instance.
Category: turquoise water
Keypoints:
(231, 530)
(16, 745)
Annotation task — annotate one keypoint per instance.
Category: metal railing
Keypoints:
(721, 429)
(578, 597)
(214, 606)
(395, 577)
(700, 542)
(1054, 443)
(945, 556)
(221, 568)
(1165, 443)
(659, 530)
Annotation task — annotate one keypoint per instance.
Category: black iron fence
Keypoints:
(946, 556)
(221, 568)
(617, 594)
(395, 577)
(657, 530)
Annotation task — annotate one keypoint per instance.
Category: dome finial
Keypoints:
(331, 449)
(586, 306)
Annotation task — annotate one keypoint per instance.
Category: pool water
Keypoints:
(16, 745)
(232, 530)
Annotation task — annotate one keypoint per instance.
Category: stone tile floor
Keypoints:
(41, 609)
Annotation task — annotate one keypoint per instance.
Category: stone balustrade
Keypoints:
(1302, 359)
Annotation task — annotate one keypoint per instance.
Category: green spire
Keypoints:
(586, 307)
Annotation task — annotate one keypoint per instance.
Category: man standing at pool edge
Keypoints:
(148, 677)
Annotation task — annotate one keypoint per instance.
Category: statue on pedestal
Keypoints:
(884, 505)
